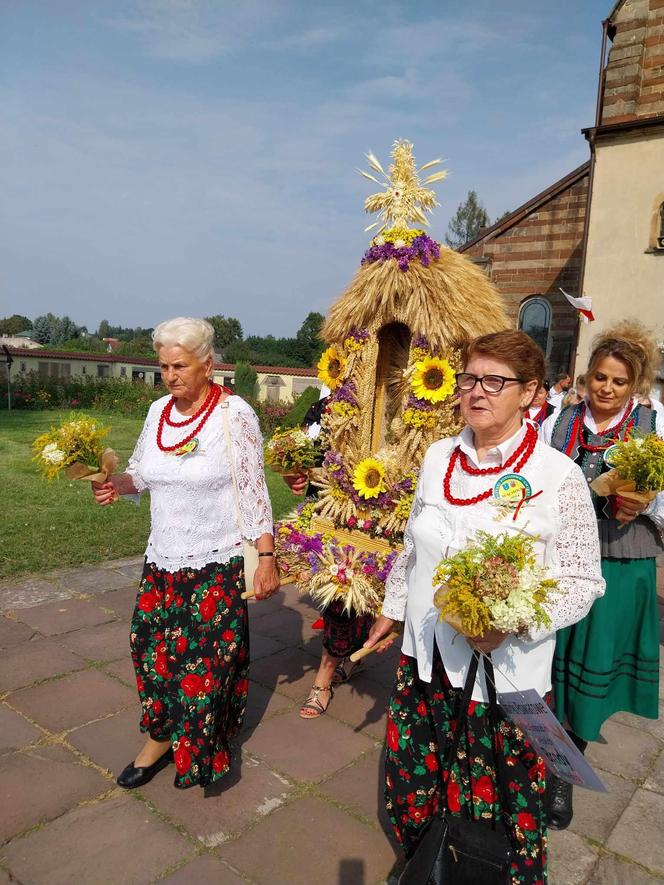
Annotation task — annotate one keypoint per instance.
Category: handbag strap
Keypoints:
(463, 710)
(498, 757)
(229, 445)
(499, 764)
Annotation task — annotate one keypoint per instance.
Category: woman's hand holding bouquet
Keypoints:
(493, 588)
(636, 477)
(76, 448)
(292, 453)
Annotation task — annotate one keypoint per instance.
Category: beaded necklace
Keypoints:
(624, 424)
(517, 460)
(206, 410)
(170, 405)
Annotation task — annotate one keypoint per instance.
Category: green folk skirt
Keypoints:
(609, 661)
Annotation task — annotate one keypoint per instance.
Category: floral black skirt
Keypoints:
(343, 632)
(190, 648)
(421, 719)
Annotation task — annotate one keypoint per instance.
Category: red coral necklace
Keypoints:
(205, 411)
(517, 460)
(624, 424)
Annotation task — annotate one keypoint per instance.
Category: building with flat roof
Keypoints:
(274, 382)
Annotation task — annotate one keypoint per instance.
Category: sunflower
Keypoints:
(433, 379)
(368, 478)
(332, 367)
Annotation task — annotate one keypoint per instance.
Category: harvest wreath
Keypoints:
(393, 350)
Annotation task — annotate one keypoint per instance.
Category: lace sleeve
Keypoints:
(134, 462)
(578, 571)
(255, 506)
(396, 586)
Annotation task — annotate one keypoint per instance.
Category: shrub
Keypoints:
(33, 391)
(245, 380)
(300, 407)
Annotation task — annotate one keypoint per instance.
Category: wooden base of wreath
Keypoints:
(359, 540)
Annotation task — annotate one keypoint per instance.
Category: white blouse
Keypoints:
(655, 510)
(192, 504)
(561, 521)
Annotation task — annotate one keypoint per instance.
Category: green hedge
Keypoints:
(35, 393)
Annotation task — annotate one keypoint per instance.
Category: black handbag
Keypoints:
(456, 850)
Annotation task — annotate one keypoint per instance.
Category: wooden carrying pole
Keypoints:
(250, 594)
(363, 652)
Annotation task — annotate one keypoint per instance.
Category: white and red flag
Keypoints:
(583, 305)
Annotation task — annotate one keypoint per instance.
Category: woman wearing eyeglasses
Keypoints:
(457, 489)
(610, 660)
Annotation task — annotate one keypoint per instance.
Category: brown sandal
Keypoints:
(314, 704)
(345, 670)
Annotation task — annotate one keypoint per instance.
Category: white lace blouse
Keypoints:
(562, 522)
(192, 505)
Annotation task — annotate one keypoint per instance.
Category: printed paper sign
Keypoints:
(527, 710)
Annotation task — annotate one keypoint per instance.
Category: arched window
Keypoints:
(535, 320)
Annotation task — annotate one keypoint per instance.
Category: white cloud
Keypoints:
(195, 31)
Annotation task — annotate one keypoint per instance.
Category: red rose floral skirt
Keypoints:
(421, 719)
(190, 648)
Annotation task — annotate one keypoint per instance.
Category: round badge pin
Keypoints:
(512, 487)
(188, 448)
(609, 454)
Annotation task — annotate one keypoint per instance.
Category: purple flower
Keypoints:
(423, 248)
(346, 393)
(420, 404)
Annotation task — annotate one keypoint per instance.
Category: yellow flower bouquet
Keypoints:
(291, 451)
(493, 584)
(637, 470)
(76, 448)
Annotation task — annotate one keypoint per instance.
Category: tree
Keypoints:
(49, 329)
(41, 329)
(91, 344)
(65, 330)
(14, 324)
(308, 343)
(466, 223)
(141, 345)
(226, 330)
(104, 330)
(245, 380)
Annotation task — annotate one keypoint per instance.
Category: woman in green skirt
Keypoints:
(609, 661)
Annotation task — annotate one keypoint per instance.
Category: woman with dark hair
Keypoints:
(609, 661)
(540, 408)
(453, 501)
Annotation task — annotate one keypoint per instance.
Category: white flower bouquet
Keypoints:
(493, 584)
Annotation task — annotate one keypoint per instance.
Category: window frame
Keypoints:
(538, 300)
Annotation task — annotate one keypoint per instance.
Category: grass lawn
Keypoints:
(47, 526)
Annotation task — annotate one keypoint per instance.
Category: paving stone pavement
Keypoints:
(302, 804)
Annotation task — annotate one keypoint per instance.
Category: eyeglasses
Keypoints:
(490, 383)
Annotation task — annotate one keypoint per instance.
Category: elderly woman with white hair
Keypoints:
(200, 455)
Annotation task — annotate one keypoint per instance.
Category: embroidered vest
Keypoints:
(636, 540)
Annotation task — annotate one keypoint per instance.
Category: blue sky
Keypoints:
(165, 157)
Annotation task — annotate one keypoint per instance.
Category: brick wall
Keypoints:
(538, 254)
(634, 85)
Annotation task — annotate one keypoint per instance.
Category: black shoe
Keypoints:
(133, 777)
(558, 811)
